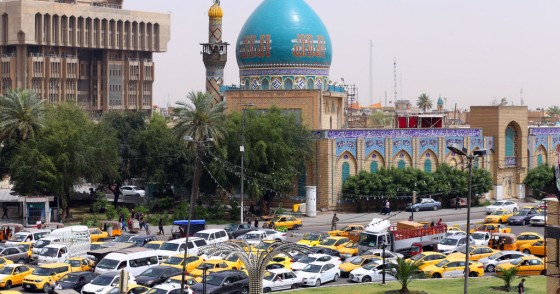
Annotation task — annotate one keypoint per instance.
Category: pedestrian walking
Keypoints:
(457, 202)
(256, 222)
(521, 287)
(161, 227)
(147, 227)
(5, 209)
(440, 222)
(334, 222)
(387, 207)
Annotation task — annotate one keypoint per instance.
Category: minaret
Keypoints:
(214, 53)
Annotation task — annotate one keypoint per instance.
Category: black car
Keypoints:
(156, 275)
(521, 217)
(324, 250)
(123, 238)
(225, 282)
(236, 230)
(140, 241)
(75, 281)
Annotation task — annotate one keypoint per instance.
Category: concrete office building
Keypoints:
(91, 52)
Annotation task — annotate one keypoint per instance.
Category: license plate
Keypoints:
(27, 286)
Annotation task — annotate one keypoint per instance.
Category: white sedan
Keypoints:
(275, 235)
(132, 191)
(280, 279)
(371, 272)
(389, 256)
(502, 205)
(322, 258)
(317, 273)
(537, 220)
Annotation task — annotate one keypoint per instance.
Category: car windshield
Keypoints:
(351, 245)
(107, 263)
(463, 249)
(442, 263)
(263, 245)
(139, 242)
(94, 246)
(231, 227)
(268, 276)
(49, 252)
(311, 237)
(102, 280)
(368, 240)
(357, 261)
(328, 242)
(307, 259)
(69, 279)
(152, 272)
(417, 257)
(371, 266)
(205, 236)
(214, 280)
(122, 239)
(498, 203)
(169, 246)
(252, 237)
(522, 213)
(42, 243)
(205, 265)
(495, 255)
(498, 212)
(73, 263)
(174, 260)
(449, 241)
(154, 246)
(18, 237)
(312, 268)
(478, 236)
(6, 270)
(41, 271)
(517, 261)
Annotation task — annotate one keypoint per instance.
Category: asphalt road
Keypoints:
(449, 216)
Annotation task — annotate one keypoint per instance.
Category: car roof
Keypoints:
(53, 265)
(210, 231)
(227, 272)
(167, 286)
(279, 270)
(109, 274)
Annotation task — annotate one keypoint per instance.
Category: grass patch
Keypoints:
(488, 285)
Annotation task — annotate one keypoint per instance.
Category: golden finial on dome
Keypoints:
(216, 10)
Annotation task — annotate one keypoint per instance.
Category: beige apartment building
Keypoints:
(91, 52)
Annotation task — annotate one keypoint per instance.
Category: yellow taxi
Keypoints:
(234, 262)
(189, 280)
(526, 265)
(334, 243)
(533, 208)
(312, 239)
(476, 252)
(288, 221)
(178, 259)
(27, 246)
(527, 238)
(96, 245)
(280, 261)
(453, 267)
(535, 248)
(453, 229)
(211, 267)
(344, 232)
(492, 228)
(45, 277)
(350, 249)
(259, 248)
(498, 216)
(79, 264)
(13, 274)
(154, 244)
(4, 262)
(96, 234)
(132, 288)
(356, 262)
(426, 258)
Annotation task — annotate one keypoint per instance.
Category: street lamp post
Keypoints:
(242, 150)
(383, 273)
(462, 151)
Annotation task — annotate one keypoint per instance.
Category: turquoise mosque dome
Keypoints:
(284, 45)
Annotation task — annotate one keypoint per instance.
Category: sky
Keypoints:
(470, 52)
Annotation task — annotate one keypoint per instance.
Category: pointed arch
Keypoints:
(288, 84)
(429, 156)
(540, 156)
(402, 160)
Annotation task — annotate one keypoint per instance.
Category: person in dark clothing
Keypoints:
(521, 287)
(5, 209)
(161, 227)
(457, 202)
(256, 222)
(334, 222)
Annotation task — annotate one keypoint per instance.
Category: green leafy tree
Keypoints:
(553, 111)
(21, 115)
(380, 118)
(405, 273)
(508, 275)
(199, 119)
(541, 180)
(424, 102)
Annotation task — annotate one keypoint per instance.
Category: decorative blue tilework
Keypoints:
(343, 145)
(454, 140)
(489, 142)
(544, 131)
(398, 133)
(555, 141)
(371, 145)
(476, 142)
(541, 140)
(400, 144)
(425, 144)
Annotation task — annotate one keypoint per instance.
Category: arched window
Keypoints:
(539, 160)
(288, 84)
(428, 166)
(247, 84)
(374, 167)
(265, 84)
(510, 141)
(401, 164)
(345, 171)
(310, 84)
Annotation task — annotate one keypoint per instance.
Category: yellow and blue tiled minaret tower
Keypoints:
(214, 53)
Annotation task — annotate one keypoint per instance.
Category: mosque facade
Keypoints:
(284, 53)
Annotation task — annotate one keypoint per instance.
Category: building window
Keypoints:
(510, 141)
(288, 84)
(374, 167)
(539, 160)
(265, 84)
(301, 181)
(427, 166)
(401, 164)
(310, 84)
(345, 171)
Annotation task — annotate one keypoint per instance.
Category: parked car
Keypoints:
(236, 230)
(475, 252)
(225, 282)
(46, 276)
(288, 221)
(538, 220)
(132, 191)
(499, 216)
(13, 274)
(425, 204)
(212, 236)
(480, 238)
(372, 272)
(75, 281)
(526, 265)
(334, 243)
(389, 255)
(452, 243)
(156, 275)
(527, 237)
(140, 241)
(453, 267)
(522, 217)
(313, 238)
(168, 288)
(344, 232)
(280, 279)
(305, 260)
(426, 258)
(14, 253)
(355, 262)
(502, 205)
(103, 283)
(499, 257)
(535, 248)
(317, 273)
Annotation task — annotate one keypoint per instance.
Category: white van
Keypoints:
(40, 244)
(134, 260)
(177, 246)
(29, 235)
(212, 236)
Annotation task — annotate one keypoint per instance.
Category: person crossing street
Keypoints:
(334, 222)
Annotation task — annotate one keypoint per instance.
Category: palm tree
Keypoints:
(405, 272)
(198, 121)
(21, 115)
(553, 111)
(424, 102)
(507, 276)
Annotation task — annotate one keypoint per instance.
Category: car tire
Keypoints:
(8, 285)
(294, 286)
(514, 210)
(525, 222)
(335, 277)
(366, 279)
(318, 283)
(526, 251)
(416, 209)
(244, 290)
(267, 290)
(500, 221)
(543, 272)
(21, 261)
(490, 268)
(436, 276)
(48, 288)
(435, 208)
(473, 274)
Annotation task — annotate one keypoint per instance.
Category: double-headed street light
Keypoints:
(462, 151)
(242, 150)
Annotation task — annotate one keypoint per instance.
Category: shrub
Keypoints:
(90, 221)
(507, 276)
(181, 211)
(110, 212)
(235, 212)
